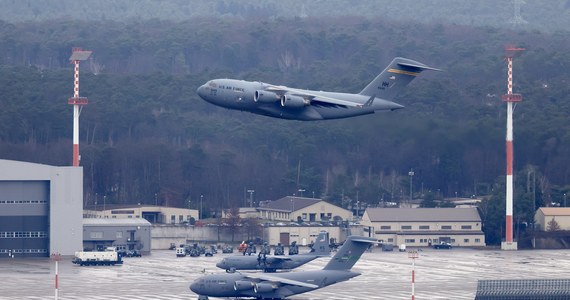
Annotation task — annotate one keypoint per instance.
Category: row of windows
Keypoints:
(99, 234)
(427, 241)
(180, 218)
(425, 227)
(23, 202)
(22, 234)
(23, 250)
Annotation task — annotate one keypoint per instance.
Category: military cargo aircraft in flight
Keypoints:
(283, 102)
(272, 263)
(282, 285)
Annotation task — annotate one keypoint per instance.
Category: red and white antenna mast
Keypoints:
(510, 98)
(77, 55)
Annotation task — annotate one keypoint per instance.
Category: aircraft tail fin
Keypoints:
(394, 78)
(321, 245)
(349, 253)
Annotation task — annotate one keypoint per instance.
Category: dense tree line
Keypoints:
(548, 15)
(146, 137)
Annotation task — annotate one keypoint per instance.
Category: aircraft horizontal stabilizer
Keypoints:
(417, 65)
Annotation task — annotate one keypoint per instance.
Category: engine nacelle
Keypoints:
(293, 101)
(264, 287)
(265, 96)
(243, 285)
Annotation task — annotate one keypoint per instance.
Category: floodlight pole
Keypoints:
(413, 255)
(510, 98)
(77, 55)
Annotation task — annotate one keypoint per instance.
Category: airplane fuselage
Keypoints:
(269, 264)
(238, 285)
(241, 95)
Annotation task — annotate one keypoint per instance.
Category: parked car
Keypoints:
(133, 253)
(442, 245)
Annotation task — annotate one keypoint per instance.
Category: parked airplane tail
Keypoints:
(321, 245)
(349, 253)
(394, 78)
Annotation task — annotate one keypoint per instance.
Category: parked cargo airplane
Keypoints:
(282, 285)
(272, 263)
(306, 105)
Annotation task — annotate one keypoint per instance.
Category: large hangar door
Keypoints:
(24, 218)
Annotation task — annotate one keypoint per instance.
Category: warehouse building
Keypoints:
(552, 218)
(40, 209)
(300, 209)
(152, 213)
(424, 226)
(125, 234)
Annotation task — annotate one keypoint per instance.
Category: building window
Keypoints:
(96, 234)
(172, 219)
(409, 241)
(424, 226)
(119, 235)
(304, 216)
(478, 241)
(130, 217)
(406, 227)
(180, 218)
(385, 227)
(448, 227)
(466, 241)
(465, 226)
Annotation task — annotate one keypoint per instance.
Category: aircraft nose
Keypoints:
(221, 264)
(201, 91)
(194, 287)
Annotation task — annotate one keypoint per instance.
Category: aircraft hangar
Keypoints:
(40, 209)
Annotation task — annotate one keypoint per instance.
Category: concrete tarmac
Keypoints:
(440, 274)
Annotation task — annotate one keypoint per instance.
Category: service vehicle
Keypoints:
(109, 257)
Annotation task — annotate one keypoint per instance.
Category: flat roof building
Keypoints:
(126, 234)
(424, 226)
(40, 209)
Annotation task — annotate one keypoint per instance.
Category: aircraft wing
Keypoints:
(280, 90)
(265, 276)
(277, 258)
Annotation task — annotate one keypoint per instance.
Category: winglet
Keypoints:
(349, 253)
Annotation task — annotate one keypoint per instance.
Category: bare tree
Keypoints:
(552, 225)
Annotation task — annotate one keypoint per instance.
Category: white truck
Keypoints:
(108, 257)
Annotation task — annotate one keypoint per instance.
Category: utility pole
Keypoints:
(411, 174)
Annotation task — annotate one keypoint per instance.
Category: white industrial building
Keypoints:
(558, 217)
(424, 226)
(40, 209)
(302, 209)
(152, 213)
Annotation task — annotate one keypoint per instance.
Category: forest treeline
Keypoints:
(146, 137)
(551, 15)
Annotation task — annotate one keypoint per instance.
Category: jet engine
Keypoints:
(265, 96)
(293, 101)
(264, 287)
(243, 285)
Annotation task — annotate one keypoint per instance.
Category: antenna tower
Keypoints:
(77, 55)
(511, 99)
